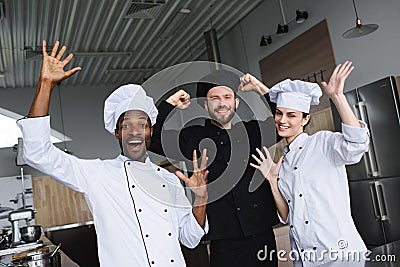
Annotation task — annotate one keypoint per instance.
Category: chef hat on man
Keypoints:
(124, 98)
(297, 95)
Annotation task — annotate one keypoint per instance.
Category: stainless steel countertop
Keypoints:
(67, 226)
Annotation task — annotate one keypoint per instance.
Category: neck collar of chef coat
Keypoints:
(124, 158)
(298, 141)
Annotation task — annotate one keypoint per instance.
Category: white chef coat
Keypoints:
(134, 227)
(313, 181)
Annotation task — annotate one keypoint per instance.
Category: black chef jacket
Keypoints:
(239, 212)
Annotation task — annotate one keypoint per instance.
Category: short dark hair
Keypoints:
(305, 114)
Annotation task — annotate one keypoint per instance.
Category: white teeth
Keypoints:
(135, 142)
(283, 127)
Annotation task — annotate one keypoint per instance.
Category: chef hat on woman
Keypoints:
(297, 95)
(124, 98)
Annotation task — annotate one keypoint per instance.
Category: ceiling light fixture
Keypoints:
(294, 22)
(301, 16)
(360, 29)
(109, 71)
(103, 54)
(36, 54)
(185, 11)
(282, 28)
(265, 40)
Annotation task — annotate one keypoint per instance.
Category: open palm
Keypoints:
(53, 67)
(266, 166)
(336, 82)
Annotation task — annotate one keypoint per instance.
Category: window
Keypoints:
(9, 131)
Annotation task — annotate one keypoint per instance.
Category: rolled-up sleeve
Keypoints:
(281, 220)
(349, 146)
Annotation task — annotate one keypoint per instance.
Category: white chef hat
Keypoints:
(124, 98)
(295, 94)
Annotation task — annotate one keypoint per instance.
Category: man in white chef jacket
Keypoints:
(140, 211)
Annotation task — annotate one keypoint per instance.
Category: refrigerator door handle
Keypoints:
(369, 157)
(375, 203)
(381, 201)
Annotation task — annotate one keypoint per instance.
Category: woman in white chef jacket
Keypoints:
(309, 182)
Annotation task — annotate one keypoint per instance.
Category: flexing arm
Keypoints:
(249, 83)
(167, 142)
(334, 89)
(270, 170)
(51, 73)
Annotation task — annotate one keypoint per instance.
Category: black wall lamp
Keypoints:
(265, 40)
(301, 16)
(283, 27)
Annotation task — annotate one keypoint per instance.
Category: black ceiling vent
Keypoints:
(35, 53)
(2, 11)
(145, 9)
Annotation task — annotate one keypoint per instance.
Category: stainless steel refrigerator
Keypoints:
(375, 181)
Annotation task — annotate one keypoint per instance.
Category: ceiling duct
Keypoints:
(31, 53)
(36, 54)
(2, 11)
(144, 9)
(211, 40)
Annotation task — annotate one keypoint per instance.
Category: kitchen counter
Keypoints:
(65, 260)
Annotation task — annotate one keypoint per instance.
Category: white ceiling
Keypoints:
(166, 37)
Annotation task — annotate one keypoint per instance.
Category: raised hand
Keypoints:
(198, 181)
(53, 67)
(249, 83)
(51, 73)
(180, 100)
(336, 82)
(266, 166)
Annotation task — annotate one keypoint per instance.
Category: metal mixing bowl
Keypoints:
(31, 233)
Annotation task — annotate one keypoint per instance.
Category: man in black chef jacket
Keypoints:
(241, 210)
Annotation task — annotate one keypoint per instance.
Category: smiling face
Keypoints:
(290, 123)
(134, 134)
(221, 104)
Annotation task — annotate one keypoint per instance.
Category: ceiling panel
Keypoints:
(154, 34)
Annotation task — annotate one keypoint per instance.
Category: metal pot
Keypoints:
(39, 259)
(5, 238)
(31, 233)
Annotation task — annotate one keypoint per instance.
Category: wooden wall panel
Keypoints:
(305, 55)
(57, 204)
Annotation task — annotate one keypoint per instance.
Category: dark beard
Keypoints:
(228, 119)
